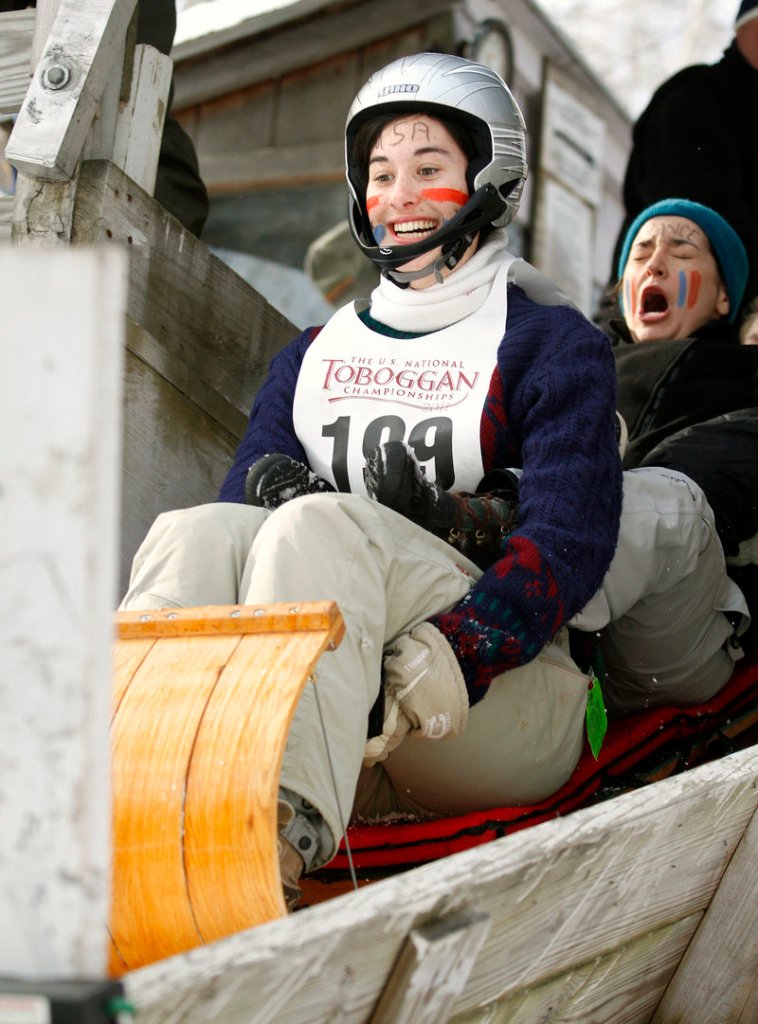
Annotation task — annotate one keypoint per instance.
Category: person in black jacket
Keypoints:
(687, 389)
(698, 138)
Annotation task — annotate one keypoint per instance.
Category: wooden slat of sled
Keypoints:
(152, 740)
(594, 910)
(203, 699)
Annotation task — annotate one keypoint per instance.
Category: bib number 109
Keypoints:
(430, 439)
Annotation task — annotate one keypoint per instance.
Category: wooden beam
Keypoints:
(16, 34)
(43, 210)
(432, 970)
(76, 64)
(61, 345)
(717, 979)
(139, 128)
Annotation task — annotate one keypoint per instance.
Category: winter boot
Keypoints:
(290, 862)
(475, 524)
(277, 478)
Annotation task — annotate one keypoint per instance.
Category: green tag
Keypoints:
(597, 720)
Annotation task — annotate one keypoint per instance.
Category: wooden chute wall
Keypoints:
(199, 338)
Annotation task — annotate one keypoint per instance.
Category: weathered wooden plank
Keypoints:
(560, 895)
(98, 142)
(16, 33)
(60, 409)
(295, 164)
(718, 977)
(139, 128)
(75, 65)
(431, 971)
(623, 986)
(213, 334)
(165, 463)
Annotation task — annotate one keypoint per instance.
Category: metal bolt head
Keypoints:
(55, 76)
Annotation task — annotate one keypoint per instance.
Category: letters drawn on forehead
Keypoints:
(400, 131)
(677, 230)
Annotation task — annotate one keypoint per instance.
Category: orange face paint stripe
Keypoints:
(695, 279)
(445, 195)
(371, 203)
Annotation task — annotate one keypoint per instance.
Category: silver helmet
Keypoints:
(456, 91)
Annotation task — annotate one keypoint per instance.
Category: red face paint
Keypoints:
(371, 203)
(695, 279)
(445, 195)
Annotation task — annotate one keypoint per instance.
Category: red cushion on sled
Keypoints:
(669, 732)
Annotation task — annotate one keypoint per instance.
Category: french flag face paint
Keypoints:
(689, 287)
(695, 279)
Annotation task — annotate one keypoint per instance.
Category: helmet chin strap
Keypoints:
(446, 260)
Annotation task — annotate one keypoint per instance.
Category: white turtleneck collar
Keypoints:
(462, 293)
(440, 305)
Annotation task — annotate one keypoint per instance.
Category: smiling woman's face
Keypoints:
(417, 182)
(671, 284)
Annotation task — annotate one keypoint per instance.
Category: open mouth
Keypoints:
(653, 304)
(414, 229)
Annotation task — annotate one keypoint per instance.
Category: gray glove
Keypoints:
(424, 692)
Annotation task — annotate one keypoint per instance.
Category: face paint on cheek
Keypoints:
(380, 233)
(371, 202)
(695, 279)
(630, 297)
(445, 195)
(680, 299)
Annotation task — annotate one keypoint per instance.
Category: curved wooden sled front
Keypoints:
(202, 704)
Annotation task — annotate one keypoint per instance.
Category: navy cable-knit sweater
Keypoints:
(550, 411)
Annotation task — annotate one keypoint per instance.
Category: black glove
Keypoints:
(277, 478)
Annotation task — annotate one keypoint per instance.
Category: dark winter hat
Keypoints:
(725, 242)
(748, 9)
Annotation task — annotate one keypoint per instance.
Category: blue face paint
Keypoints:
(682, 289)
(379, 233)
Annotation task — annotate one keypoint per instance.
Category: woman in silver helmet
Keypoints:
(465, 362)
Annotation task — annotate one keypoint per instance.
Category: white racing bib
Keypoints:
(357, 389)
